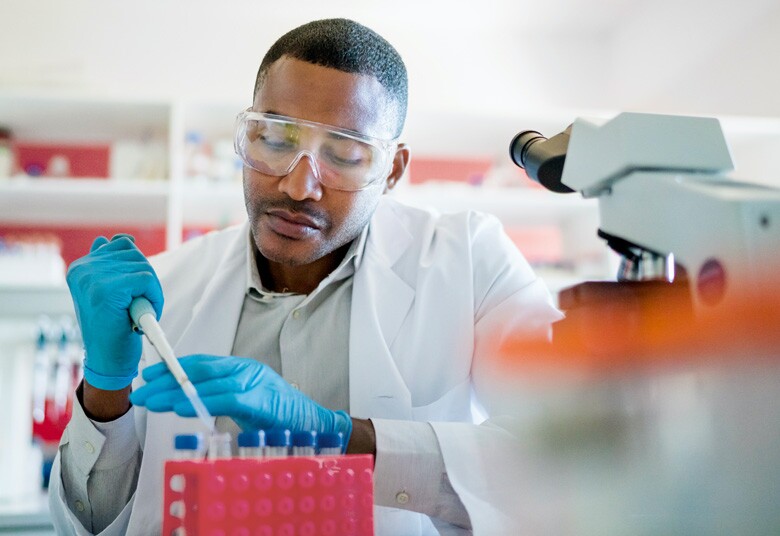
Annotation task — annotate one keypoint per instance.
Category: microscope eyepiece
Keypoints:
(518, 149)
(542, 158)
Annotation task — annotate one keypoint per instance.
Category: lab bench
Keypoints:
(28, 516)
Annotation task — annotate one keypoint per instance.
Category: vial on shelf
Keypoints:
(250, 444)
(304, 443)
(330, 444)
(277, 443)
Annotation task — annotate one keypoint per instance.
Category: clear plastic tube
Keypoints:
(219, 446)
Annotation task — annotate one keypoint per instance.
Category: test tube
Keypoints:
(250, 444)
(277, 443)
(219, 446)
(331, 444)
(304, 443)
(40, 375)
(188, 446)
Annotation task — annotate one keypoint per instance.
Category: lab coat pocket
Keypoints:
(453, 405)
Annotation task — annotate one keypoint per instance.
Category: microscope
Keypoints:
(692, 242)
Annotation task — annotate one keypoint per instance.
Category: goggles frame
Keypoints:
(385, 147)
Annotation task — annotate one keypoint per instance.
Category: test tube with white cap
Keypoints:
(277, 443)
(219, 446)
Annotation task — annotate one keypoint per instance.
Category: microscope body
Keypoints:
(653, 410)
(693, 243)
(662, 188)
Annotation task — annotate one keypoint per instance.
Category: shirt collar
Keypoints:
(348, 266)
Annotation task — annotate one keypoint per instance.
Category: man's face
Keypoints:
(296, 220)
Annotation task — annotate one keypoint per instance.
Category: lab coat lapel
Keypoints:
(210, 331)
(215, 317)
(381, 299)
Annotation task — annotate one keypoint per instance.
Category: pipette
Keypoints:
(145, 321)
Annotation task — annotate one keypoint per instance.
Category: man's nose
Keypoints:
(301, 182)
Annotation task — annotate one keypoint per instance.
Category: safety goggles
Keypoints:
(341, 159)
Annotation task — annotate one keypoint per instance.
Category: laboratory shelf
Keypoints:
(18, 302)
(27, 516)
(512, 205)
(82, 201)
(221, 204)
(42, 115)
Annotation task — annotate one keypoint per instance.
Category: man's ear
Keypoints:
(400, 161)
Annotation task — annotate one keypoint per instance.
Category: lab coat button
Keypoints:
(402, 497)
(79, 506)
(89, 447)
(296, 313)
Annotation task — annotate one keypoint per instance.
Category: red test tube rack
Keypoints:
(292, 496)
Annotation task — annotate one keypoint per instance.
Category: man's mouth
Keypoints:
(294, 225)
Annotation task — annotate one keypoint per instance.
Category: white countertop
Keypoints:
(28, 515)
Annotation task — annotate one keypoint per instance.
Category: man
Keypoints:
(351, 312)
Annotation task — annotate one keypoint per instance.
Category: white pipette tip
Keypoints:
(200, 408)
(145, 321)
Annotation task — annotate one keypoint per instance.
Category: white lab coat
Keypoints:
(429, 299)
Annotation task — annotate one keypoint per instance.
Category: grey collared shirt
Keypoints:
(311, 350)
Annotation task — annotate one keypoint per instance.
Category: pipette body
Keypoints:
(145, 320)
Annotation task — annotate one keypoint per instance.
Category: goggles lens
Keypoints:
(342, 159)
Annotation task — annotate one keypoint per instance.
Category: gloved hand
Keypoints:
(252, 394)
(102, 284)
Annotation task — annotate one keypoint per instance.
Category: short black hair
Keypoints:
(348, 46)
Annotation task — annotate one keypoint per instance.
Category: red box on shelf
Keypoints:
(468, 170)
(63, 160)
(292, 496)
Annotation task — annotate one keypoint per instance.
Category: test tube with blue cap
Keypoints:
(188, 446)
(331, 443)
(277, 443)
(304, 443)
(251, 443)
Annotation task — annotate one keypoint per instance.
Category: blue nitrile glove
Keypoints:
(102, 284)
(252, 394)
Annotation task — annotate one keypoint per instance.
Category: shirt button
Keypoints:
(89, 447)
(79, 506)
(402, 497)
(296, 313)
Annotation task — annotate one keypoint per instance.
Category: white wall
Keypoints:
(478, 70)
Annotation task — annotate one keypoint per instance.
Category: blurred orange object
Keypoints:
(616, 328)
